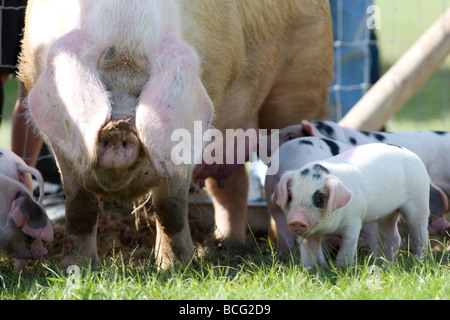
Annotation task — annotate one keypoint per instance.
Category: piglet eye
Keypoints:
(289, 199)
(319, 200)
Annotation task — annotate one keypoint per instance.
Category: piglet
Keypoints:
(431, 146)
(12, 166)
(292, 155)
(23, 223)
(335, 197)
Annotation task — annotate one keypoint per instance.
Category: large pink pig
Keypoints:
(109, 81)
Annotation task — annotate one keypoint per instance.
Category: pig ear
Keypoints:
(281, 194)
(438, 200)
(339, 195)
(68, 101)
(37, 175)
(24, 212)
(174, 98)
(30, 217)
(311, 130)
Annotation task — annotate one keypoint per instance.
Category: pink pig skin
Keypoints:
(109, 81)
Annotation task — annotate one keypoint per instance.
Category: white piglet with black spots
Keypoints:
(335, 197)
(431, 146)
(292, 155)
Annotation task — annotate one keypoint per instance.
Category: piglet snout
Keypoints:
(298, 223)
(118, 146)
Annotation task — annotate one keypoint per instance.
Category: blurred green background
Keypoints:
(402, 23)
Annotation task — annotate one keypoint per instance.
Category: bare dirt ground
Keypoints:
(131, 234)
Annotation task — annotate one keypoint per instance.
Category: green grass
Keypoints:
(402, 23)
(263, 275)
(10, 95)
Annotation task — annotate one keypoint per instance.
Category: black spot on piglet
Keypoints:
(334, 148)
(325, 129)
(320, 168)
(304, 172)
(306, 142)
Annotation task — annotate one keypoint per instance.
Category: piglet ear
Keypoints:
(22, 211)
(309, 129)
(30, 217)
(281, 194)
(339, 195)
(27, 169)
(438, 200)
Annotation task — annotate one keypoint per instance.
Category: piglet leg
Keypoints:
(390, 237)
(369, 235)
(349, 242)
(311, 252)
(283, 236)
(20, 265)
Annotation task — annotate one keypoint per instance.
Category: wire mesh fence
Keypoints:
(370, 36)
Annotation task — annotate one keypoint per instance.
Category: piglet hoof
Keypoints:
(20, 265)
(437, 225)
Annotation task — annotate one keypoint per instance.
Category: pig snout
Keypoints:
(298, 222)
(118, 146)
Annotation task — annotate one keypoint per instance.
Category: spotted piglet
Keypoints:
(335, 197)
(23, 220)
(431, 146)
(292, 155)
